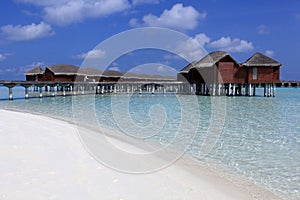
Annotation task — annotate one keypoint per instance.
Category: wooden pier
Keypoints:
(51, 89)
(42, 89)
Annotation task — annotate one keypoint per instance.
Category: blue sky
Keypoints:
(42, 32)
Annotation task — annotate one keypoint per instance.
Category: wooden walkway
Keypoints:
(46, 89)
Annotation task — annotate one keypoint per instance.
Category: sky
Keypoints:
(43, 32)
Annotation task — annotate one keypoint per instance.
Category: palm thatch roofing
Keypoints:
(35, 71)
(261, 60)
(131, 75)
(63, 69)
(208, 61)
(89, 72)
(112, 73)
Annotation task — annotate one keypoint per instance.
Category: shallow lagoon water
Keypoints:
(260, 137)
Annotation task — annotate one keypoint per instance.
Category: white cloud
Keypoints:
(172, 57)
(66, 12)
(270, 53)
(27, 32)
(44, 2)
(134, 22)
(193, 48)
(115, 64)
(263, 30)
(178, 17)
(232, 45)
(30, 66)
(162, 68)
(202, 39)
(114, 68)
(139, 2)
(3, 56)
(93, 54)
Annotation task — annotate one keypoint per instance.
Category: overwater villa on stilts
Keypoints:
(217, 74)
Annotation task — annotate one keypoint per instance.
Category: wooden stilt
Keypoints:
(10, 93)
(26, 93)
(41, 92)
(250, 90)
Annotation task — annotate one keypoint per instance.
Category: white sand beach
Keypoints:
(43, 158)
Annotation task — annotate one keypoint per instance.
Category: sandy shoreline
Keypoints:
(43, 158)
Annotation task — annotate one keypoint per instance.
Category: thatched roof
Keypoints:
(35, 71)
(112, 73)
(131, 75)
(89, 72)
(207, 61)
(63, 69)
(261, 60)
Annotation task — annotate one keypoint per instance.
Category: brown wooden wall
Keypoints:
(38, 77)
(276, 74)
(226, 70)
(231, 72)
(31, 78)
(109, 79)
(264, 75)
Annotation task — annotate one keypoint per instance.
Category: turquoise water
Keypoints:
(260, 136)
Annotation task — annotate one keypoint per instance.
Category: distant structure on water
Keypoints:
(216, 74)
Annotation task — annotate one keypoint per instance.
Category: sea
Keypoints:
(253, 137)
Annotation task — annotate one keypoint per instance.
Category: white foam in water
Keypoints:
(260, 139)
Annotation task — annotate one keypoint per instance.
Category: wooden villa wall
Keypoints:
(39, 77)
(231, 72)
(31, 78)
(109, 79)
(50, 76)
(276, 74)
(226, 70)
(264, 75)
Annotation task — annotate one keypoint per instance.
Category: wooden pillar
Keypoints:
(10, 93)
(233, 89)
(26, 93)
(214, 89)
(250, 90)
(41, 91)
(254, 90)
(274, 89)
(52, 91)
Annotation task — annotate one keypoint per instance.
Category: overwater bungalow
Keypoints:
(218, 74)
(216, 67)
(35, 74)
(262, 70)
(60, 73)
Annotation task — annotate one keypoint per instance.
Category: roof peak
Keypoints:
(260, 59)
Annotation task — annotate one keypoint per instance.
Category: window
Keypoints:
(254, 73)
